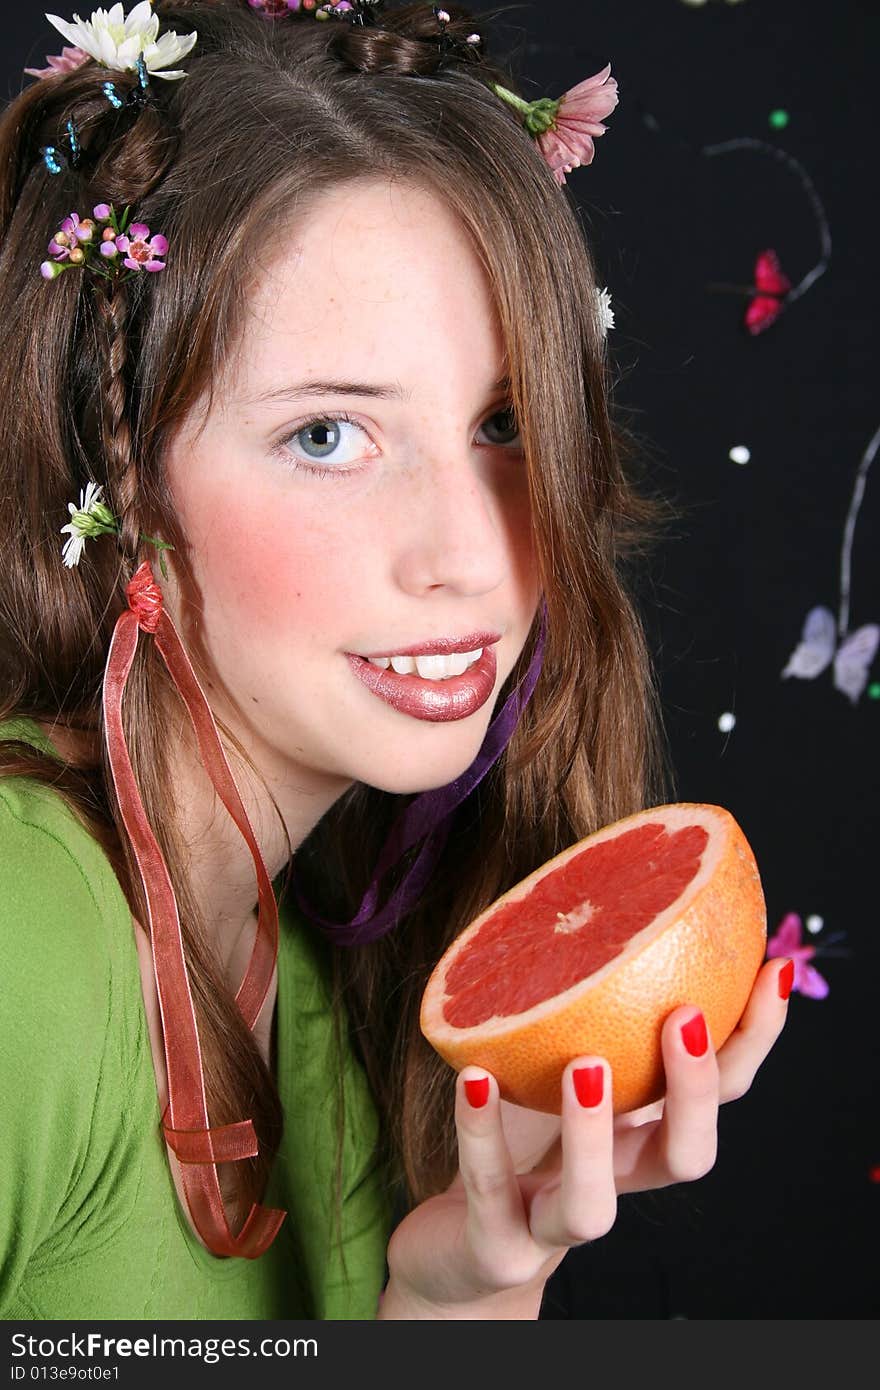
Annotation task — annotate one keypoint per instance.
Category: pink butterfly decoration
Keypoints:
(787, 942)
(768, 295)
(818, 648)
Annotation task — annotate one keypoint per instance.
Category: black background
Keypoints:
(786, 1224)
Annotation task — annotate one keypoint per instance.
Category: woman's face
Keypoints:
(313, 537)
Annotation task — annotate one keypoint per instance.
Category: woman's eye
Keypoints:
(322, 439)
(505, 422)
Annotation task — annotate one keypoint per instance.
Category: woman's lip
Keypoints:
(437, 701)
(442, 646)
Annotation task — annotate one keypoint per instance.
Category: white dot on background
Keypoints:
(726, 722)
(814, 923)
(739, 454)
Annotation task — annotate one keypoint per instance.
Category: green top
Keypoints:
(90, 1221)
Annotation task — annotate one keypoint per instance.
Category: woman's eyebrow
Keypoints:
(295, 391)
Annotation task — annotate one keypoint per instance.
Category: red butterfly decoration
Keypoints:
(770, 288)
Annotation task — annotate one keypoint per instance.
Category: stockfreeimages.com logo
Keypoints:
(93, 1345)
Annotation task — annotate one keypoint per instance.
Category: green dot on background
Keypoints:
(779, 119)
(874, 690)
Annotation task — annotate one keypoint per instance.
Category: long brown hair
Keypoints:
(100, 385)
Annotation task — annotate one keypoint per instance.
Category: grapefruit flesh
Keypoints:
(594, 949)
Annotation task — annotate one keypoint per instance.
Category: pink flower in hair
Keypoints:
(569, 143)
(566, 127)
(77, 228)
(66, 61)
(73, 232)
(141, 252)
(274, 9)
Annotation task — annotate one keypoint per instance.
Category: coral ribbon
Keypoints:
(185, 1123)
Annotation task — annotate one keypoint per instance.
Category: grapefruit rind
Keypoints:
(704, 949)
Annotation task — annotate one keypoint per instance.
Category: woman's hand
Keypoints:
(656, 1145)
(486, 1246)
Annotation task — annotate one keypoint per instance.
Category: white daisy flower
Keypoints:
(117, 40)
(73, 548)
(91, 518)
(606, 313)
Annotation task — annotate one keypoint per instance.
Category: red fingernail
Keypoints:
(589, 1083)
(694, 1035)
(785, 979)
(477, 1091)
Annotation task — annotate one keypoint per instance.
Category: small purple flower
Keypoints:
(141, 252)
(61, 249)
(273, 9)
(79, 230)
(69, 236)
(276, 9)
(98, 244)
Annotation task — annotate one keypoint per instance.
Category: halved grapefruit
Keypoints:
(591, 952)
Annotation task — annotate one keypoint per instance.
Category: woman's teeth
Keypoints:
(428, 667)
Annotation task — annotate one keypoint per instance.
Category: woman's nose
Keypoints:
(456, 533)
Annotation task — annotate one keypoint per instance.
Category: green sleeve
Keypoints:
(55, 981)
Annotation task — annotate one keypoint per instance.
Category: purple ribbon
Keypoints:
(429, 818)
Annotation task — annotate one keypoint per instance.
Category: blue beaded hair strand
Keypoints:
(67, 154)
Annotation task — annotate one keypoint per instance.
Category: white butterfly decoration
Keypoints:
(818, 648)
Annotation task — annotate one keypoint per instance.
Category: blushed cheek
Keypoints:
(270, 575)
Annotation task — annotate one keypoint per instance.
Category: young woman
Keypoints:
(360, 406)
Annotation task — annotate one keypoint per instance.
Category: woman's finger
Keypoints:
(687, 1137)
(500, 1250)
(762, 1022)
(582, 1204)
